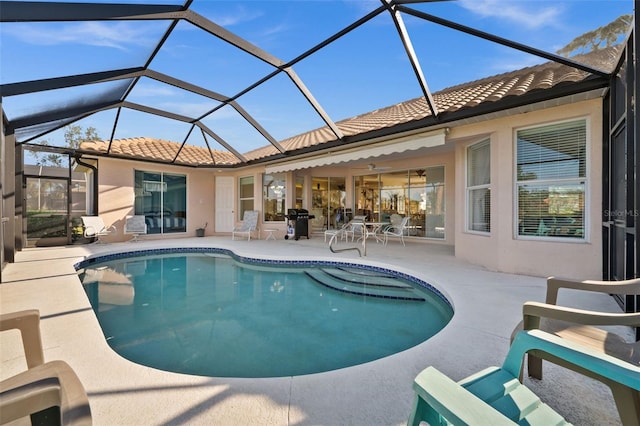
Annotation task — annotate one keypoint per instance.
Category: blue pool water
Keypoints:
(215, 314)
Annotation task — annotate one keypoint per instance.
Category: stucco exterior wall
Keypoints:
(501, 250)
(116, 195)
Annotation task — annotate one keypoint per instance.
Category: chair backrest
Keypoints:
(250, 220)
(399, 227)
(395, 219)
(357, 224)
(135, 225)
(93, 225)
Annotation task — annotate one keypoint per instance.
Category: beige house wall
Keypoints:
(116, 195)
(500, 250)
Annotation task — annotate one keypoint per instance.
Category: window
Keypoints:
(162, 199)
(551, 180)
(274, 196)
(417, 193)
(246, 195)
(479, 187)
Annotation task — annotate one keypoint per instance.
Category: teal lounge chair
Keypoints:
(495, 396)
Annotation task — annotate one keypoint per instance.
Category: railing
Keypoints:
(334, 250)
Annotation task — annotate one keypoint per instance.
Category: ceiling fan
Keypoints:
(373, 168)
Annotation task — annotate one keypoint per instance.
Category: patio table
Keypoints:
(372, 229)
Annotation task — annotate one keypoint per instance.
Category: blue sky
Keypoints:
(362, 71)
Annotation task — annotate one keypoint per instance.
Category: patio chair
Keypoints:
(344, 232)
(579, 325)
(396, 229)
(248, 226)
(359, 227)
(94, 227)
(42, 386)
(135, 225)
(494, 396)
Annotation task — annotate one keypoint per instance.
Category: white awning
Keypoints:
(410, 143)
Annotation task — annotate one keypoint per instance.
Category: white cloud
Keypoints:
(239, 15)
(516, 12)
(275, 29)
(147, 90)
(118, 35)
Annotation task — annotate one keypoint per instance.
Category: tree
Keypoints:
(602, 37)
(73, 136)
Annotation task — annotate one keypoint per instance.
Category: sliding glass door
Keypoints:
(328, 203)
(162, 199)
(419, 194)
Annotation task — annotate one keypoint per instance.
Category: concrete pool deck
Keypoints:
(487, 307)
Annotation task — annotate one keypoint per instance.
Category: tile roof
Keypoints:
(145, 148)
(452, 99)
(464, 96)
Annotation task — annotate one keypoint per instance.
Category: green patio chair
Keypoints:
(495, 396)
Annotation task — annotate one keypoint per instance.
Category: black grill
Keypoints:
(298, 223)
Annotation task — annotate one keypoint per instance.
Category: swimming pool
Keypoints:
(210, 312)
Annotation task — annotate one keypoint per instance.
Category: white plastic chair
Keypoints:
(43, 385)
(94, 227)
(583, 326)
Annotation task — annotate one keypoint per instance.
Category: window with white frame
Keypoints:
(551, 180)
(479, 187)
(246, 195)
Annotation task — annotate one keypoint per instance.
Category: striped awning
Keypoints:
(410, 143)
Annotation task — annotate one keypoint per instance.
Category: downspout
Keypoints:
(94, 191)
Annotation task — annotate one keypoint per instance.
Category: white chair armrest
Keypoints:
(554, 284)
(28, 322)
(47, 385)
(534, 311)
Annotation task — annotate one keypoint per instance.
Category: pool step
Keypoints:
(370, 278)
(357, 286)
(362, 272)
